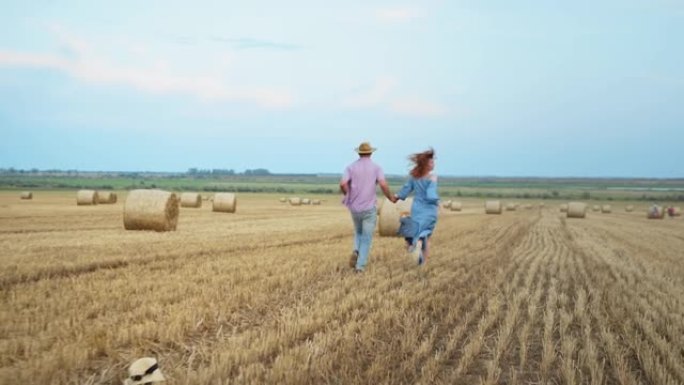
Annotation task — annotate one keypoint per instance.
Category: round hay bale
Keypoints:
(511, 206)
(306, 201)
(447, 204)
(224, 202)
(404, 206)
(86, 197)
(378, 205)
(316, 202)
(26, 195)
(528, 207)
(606, 209)
(283, 200)
(596, 208)
(577, 210)
(564, 208)
(676, 211)
(655, 212)
(106, 197)
(493, 207)
(389, 214)
(455, 206)
(151, 210)
(190, 199)
(294, 201)
(388, 219)
(629, 208)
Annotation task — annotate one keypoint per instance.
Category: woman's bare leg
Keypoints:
(426, 252)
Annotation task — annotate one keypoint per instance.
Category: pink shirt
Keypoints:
(361, 178)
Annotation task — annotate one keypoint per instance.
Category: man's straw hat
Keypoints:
(365, 149)
(143, 371)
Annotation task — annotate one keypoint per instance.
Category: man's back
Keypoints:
(361, 177)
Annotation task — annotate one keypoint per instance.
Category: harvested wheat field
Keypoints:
(266, 296)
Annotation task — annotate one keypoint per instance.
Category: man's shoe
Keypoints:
(352, 259)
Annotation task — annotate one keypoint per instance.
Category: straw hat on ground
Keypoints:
(143, 371)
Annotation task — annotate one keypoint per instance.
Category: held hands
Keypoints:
(394, 199)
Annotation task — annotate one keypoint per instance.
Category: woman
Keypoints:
(425, 204)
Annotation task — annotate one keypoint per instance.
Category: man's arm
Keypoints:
(344, 187)
(385, 190)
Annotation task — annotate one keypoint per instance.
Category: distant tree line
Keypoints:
(556, 195)
(197, 172)
(132, 174)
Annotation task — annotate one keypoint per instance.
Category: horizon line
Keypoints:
(4, 171)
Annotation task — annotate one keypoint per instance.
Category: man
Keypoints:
(358, 186)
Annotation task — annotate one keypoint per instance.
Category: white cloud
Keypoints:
(399, 14)
(371, 96)
(81, 63)
(384, 94)
(417, 107)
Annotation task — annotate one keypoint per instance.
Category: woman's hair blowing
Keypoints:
(421, 163)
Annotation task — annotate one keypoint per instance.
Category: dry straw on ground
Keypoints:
(106, 197)
(493, 207)
(225, 202)
(151, 210)
(191, 199)
(577, 210)
(530, 298)
(86, 197)
(564, 208)
(606, 209)
(455, 206)
(26, 195)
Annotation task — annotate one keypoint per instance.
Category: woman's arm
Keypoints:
(405, 190)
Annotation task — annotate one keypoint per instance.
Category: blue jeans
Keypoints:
(364, 225)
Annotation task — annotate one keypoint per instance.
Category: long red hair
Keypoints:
(421, 163)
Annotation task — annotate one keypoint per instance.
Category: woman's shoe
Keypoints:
(415, 252)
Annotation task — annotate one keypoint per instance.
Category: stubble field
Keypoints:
(265, 295)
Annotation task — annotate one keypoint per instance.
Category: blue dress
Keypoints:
(425, 205)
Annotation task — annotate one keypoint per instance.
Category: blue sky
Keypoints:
(508, 88)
